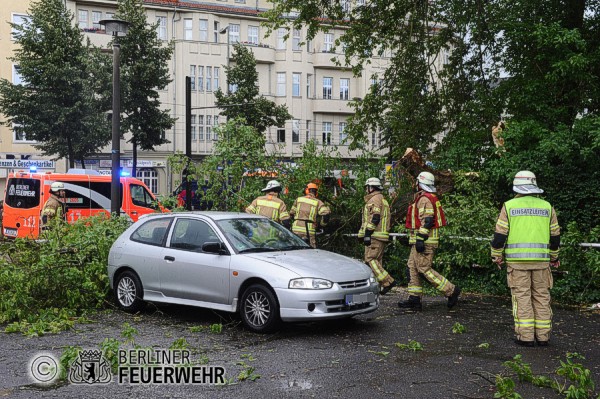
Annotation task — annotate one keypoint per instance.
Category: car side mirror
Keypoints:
(214, 248)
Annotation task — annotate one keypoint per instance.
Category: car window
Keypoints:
(191, 234)
(259, 234)
(152, 232)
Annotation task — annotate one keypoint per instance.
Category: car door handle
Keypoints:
(170, 258)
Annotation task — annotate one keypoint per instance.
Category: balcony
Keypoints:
(331, 106)
(263, 53)
(323, 60)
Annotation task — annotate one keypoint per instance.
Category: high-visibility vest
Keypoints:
(412, 216)
(529, 229)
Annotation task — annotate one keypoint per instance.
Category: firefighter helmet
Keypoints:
(311, 186)
(426, 181)
(526, 183)
(374, 182)
(57, 186)
(272, 185)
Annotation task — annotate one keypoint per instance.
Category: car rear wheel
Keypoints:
(128, 292)
(259, 309)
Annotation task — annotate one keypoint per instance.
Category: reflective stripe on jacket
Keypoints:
(423, 208)
(529, 229)
(270, 206)
(376, 204)
(307, 208)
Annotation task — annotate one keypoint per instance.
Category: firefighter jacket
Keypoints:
(270, 206)
(53, 208)
(425, 205)
(532, 234)
(306, 210)
(377, 210)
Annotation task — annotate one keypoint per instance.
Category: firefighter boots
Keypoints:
(453, 299)
(413, 302)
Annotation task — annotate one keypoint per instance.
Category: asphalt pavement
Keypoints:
(356, 358)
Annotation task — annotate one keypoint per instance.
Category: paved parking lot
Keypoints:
(342, 359)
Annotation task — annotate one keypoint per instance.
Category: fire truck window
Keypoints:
(77, 194)
(141, 197)
(23, 193)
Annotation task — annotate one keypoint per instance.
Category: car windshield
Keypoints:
(260, 235)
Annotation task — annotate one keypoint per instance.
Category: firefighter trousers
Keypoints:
(313, 239)
(374, 258)
(530, 291)
(420, 264)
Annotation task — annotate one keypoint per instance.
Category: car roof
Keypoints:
(214, 215)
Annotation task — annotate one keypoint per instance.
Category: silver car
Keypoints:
(236, 262)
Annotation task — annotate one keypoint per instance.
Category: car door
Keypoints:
(188, 272)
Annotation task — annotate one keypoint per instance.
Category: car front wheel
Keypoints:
(259, 309)
(128, 292)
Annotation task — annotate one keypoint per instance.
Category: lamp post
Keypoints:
(223, 31)
(117, 28)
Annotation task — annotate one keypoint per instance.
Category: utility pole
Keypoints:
(188, 141)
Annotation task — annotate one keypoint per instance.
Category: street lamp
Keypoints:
(117, 28)
(223, 31)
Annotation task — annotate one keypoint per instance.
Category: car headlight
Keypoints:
(310, 284)
(372, 279)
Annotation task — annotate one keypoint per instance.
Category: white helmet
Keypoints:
(374, 182)
(57, 186)
(426, 182)
(525, 183)
(272, 185)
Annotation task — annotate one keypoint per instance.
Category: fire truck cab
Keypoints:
(87, 193)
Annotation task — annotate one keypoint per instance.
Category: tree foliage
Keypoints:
(144, 63)
(244, 101)
(62, 101)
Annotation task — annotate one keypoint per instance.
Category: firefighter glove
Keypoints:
(498, 261)
(367, 241)
(555, 263)
(420, 244)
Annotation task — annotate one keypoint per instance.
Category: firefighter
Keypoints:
(424, 219)
(306, 211)
(528, 236)
(54, 206)
(374, 232)
(270, 205)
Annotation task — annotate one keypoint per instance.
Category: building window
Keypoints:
(203, 30)
(234, 33)
(150, 178)
(343, 134)
(19, 135)
(215, 123)
(83, 19)
(281, 135)
(296, 84)
(20, 20)
(295, 131)
(327, 133)
(193, 117)
(208, 132)
(307, 131)
(188, 32)
(193, 76)
(345, 6)
(446, 55)
(17, 79)
(328, 46)
(161, 29)
(200, 78)
(201, 127)
(344, 89)
(96, 17)
(281, 32)
(110, 15)
(241, 1)
(208, 80)
(281, 83)
(216, 29)
(296, 39)
(309, 46)
(216, 79)
(253, 34)
(327, 88)
(309, 78)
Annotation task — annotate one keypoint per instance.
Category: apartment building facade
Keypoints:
(298, 73)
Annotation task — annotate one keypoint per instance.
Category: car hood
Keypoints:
(317, 263)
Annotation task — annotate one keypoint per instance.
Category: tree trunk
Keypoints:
(134, 168)
(82, 160)
(71, 154)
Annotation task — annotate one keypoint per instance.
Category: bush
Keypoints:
(45, 284)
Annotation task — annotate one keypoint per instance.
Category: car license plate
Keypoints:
(358, 299)
(8, 232)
